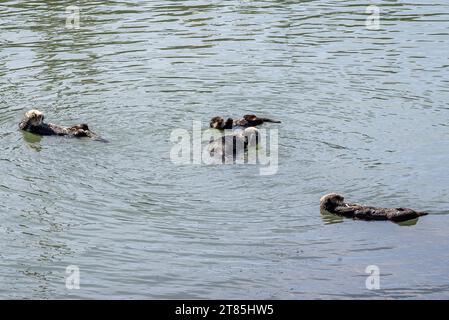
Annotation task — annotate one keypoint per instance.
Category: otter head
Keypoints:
(82, 126)
(252, 136)
(330, 201)
(34, 118)
(216, 123)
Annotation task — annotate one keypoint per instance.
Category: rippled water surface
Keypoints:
(364, 113)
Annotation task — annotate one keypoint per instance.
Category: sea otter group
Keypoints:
(249, 120)
(244, 134)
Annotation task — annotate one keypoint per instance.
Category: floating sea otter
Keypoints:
(234, 145)
(249, 120)
(33, 121)
(334, 203)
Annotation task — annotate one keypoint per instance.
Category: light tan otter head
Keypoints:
(34, 117)
(216, 123)
(330, 201)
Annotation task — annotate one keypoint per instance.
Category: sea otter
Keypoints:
(334, 203)
(33, 121)
(249, 120)
(234, 145)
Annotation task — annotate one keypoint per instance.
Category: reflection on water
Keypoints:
(33, 140)
(330, 218)
(409, 222)
(364, 112)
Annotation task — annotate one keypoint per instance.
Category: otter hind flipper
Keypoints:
(91, 135)
(100, 139)
(95, 137)
(271, 120)
(404, 214)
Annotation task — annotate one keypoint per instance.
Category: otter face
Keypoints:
(252, 136)
(331, 201)
(216, 123)
(34, 117)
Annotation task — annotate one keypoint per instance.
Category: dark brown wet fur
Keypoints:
(249, 120)
(334, 203)
(80, 130)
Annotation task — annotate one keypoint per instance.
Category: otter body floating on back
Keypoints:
(234, 145)
(33, 121)
(249, 120)
(334, 203)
